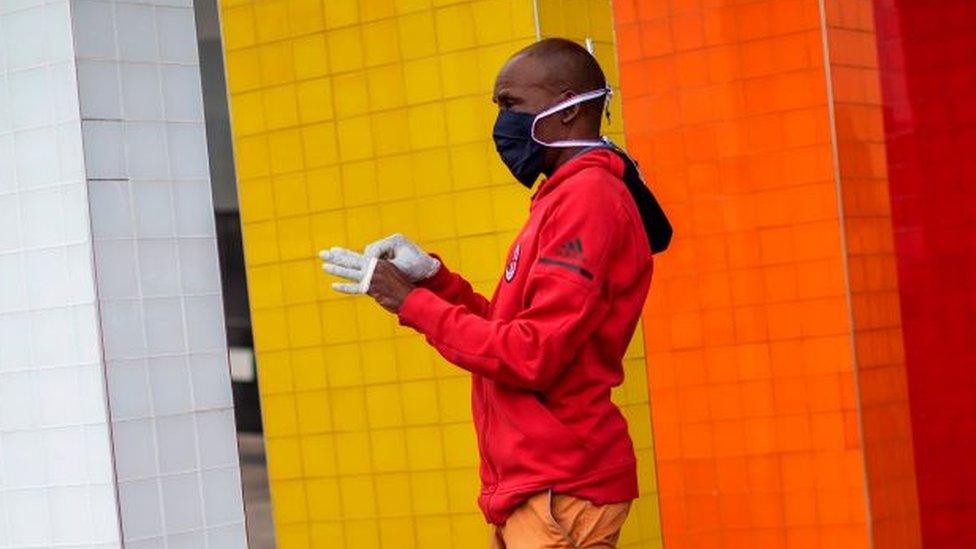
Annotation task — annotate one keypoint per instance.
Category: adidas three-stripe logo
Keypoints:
(571, 249)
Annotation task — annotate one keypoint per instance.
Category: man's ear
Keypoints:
(570, 113)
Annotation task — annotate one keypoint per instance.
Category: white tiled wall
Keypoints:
(109, 278)
(158, 279)
(56, 477)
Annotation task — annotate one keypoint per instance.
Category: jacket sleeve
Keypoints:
(564, 303)
(454, 289)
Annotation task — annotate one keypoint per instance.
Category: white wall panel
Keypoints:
(56, 471)
(116, 418)
(158, 280)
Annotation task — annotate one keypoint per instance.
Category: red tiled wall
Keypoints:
(927, 55)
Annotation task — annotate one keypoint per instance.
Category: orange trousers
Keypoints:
(559, 521)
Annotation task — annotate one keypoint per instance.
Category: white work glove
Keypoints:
(405, 256)
(351, 266)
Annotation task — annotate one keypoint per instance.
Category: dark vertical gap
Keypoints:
(247, 411)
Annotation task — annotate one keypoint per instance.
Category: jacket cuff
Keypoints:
(418, 310)
(440, 280)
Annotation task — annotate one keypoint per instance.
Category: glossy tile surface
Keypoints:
(158, 281)
(56, 473)
(926, 79)
(351, 121)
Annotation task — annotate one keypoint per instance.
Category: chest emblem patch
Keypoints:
(512, 266)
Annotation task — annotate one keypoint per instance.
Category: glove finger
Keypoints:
(346, 288)
(345, 258)
(344, 272)
(381, 248)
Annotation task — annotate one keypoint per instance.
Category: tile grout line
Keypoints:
(845, 261)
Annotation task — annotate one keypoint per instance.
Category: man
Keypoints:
(557, 462)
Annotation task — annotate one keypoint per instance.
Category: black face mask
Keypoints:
(513, 140)
(516, 142)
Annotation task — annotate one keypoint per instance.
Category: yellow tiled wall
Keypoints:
(353, 120)
(593, 19)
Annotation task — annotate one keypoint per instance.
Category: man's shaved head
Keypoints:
(567, 65)
(549, 71)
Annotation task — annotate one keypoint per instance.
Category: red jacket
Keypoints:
(548, 347)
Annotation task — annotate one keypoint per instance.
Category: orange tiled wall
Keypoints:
(860, 164)
(750, 346)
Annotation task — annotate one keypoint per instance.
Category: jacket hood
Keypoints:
(619, 163)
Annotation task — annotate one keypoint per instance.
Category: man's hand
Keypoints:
(413, 262)
(389, 287)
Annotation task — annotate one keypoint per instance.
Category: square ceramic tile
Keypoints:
(153, 202)
(21, 466)
(177, 444)
(71, 520)
(48, 277)
(182, 507)
(205, 323)
(14, 331)
(177, 35)
(42, 217)
(61, 446)
(146, 151)
(94, 29)
(30, 95)
(10, 230)
(170, 384)
(13, 291)
(28, 518)
(194, 209)
(111, 209)
(50, 326)
(123, 329)
(34, 149)
(141, 91)
(118, 275)
(135, 449)
(98, 89)
(159, 268)
(17, 398)
(24, 38)
(59, 396)
(136, 31)
(164, 325)
(128, 385)
(182, 93)
(199, 268)
(141, 513)
(104, 149)
(222, 496)
(188, 151)
(211, 383)
(218, 442)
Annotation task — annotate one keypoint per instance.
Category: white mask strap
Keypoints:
(575, 100)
